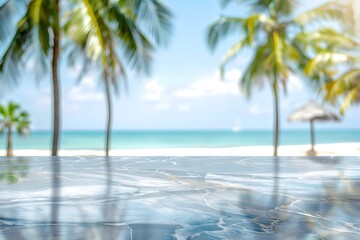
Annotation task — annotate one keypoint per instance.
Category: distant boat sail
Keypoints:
(237, 127)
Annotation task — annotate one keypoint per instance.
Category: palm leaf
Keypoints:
(329, 37)
(280, 7)
(8, 14)
(351, 97)
(31, 39)
(222, 28)
(328, 58)
(347, 86)
(98, 28)
(136, 47)
(98, 32)
(350, 78)
(333, 10)
(155, 16)
(232, 53)
(256, 72)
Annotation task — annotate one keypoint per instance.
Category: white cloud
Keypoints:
(295, 84)
(162, 106)
(44, 101)
(88, 83)
(86, 91)
(257, 109)
(184, 107)
(153, 91)
(233, 75)
(191, 92)
(212, 86)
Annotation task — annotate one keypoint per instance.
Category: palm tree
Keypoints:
(347, 84)
(270, 31)
(335, 55)
(334, 52)
(115, 34)
(37, 33)
(12, 117)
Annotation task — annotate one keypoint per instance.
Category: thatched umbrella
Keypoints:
(312, 112)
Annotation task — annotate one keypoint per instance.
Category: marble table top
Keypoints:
(180, 198)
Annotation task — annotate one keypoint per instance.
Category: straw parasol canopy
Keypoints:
(312, 112)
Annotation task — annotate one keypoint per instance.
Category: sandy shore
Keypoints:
(339, 149)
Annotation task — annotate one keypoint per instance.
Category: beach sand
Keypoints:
(339, 149)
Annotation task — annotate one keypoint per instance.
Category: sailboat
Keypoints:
(237, 127)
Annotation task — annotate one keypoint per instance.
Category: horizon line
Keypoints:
(194, 130)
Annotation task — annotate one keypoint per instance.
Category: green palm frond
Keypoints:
(349, 79)
(98, 29)
(328, 37)
(327, 58)
(222, 28)
(281, 44)
(279, 7)
(8, 14)
(115, 35)
(331, 51)
(267, 32)
(24, 115)
(285, 7)
(135, 45)
(3, 112)
(88, 30)
(32, 38)
(347, 86)
(351, 97)
(12, 108)
(11, 62)
(251, 25)
(23, 126)
(318, 78)
(12, 116)
(224, 3)
(248, 27)
(38, 11)
(256, 73)
(277, 54)
(332, 10)
(232, 53)
(156, 17)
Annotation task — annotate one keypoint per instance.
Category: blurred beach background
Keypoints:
(183, 107)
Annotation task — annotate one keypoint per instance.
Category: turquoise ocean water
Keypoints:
(178, 139)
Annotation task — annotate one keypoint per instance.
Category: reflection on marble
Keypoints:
(180, 198)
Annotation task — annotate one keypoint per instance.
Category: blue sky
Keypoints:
(183, 92)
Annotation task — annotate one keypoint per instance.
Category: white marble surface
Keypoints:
(180, 198)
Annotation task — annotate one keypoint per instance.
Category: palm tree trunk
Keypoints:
(55, 81)
(109, 116)
(9, 142)
(276, 120)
